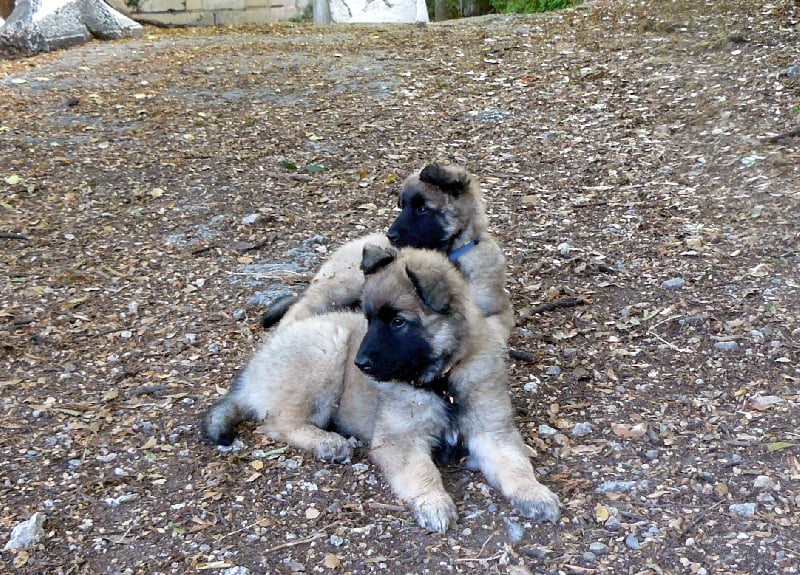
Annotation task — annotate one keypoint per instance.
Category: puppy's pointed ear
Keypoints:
(431, 289)
(375, 257)
(451, 180)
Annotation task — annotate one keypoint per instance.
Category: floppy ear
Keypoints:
(452, 181)
(375, 257)
(431, 289)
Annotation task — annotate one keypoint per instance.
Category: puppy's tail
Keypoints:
(221, 420)
(277, 310)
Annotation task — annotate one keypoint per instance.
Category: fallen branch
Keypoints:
(313, 537)
(785, 136)
(562, 302)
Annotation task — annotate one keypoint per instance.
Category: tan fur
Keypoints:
(339, 281)
(303, 381)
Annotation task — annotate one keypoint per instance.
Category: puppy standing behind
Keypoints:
(389, 380)
(441, 209)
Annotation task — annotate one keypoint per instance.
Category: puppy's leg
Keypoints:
(414, 478)
(503, 459)
(326, 445)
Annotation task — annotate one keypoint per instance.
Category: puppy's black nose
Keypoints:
(393, 235)
(364, 363)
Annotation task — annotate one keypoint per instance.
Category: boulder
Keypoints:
(378, 11)
(43, 25)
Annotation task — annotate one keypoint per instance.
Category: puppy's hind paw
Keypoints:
(336, 449)
(538, 503)
(435, 512)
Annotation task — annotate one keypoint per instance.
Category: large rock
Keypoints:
(379, 11)
(43, 25)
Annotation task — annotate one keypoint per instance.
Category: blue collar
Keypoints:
(455, 254)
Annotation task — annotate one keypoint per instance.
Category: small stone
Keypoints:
(701, 571)
(546, 431)
(726, 345)
(612, 524)
(757, 335)
(673, 284)
(27, 533)
(743, 509)
(531, 387)
(763, 482)
(514, 530)
(126, 334)
(191, 338)
(598, 548)
(235, 571)
(622, 486)
(239, 315)
(581, 429)
(564, 249)
(651, 454)
(251, 219)
(553, 370)
(336, 540)
(589, 557)
(632, 541)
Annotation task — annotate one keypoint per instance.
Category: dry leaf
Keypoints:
(628, 431)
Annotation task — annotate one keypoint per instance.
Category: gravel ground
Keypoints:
(640, 160)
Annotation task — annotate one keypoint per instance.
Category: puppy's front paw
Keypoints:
(537, 502)
(435, 512)
(336, 449)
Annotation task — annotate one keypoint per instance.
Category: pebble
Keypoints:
(546, 431)
(589, 557)
(743, 509)
(336, 540)
(531, 387)
(581, 429)
(235, 571)
(250, 219)
(673, 284)
(726, 345)
(756, 334)
(564, 249)
(651, 454)
(612, 524)
(621, 486)
(598, 548)
(632, 541)
(514, 530)
(26, 533)
(766, 482)
(239, 315)
(792, 71)
(553, 370)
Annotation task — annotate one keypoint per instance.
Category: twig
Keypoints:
(785, 136)
(16, 323)
(199, 251)
(386, 506)
(319, 533)
(12, 236)
(477, 556)
(252, 247)
(672, 346)
(562, 302)
(578, 569)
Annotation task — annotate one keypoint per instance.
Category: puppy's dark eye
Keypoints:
(422, 210)
(397, 322)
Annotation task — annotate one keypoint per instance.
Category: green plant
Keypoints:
(530, 6)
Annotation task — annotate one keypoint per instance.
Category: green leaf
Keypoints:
(287, 165)
(778, 445)
(13, 179)
(315, 168)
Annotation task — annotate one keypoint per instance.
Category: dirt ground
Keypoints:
(643, 157)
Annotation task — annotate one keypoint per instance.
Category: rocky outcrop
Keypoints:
(43, 25)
